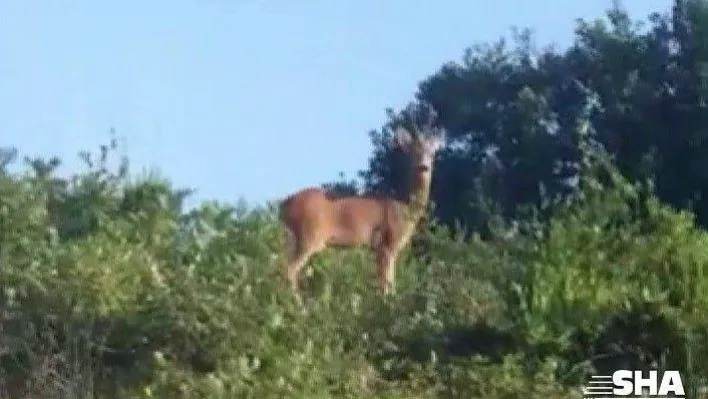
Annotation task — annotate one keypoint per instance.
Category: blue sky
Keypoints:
(240, 99)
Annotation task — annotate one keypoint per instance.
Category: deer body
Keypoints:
(385, 225)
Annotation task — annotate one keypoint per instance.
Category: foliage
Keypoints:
(143, 298)
(510, 109)
(617, 281)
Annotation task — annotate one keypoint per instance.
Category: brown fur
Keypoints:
(316, 221)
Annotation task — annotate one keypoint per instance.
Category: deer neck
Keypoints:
(419, 195)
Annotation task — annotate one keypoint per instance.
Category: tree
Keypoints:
(510, 112)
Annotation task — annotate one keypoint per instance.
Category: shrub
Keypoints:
(111, 289)
(616, 278)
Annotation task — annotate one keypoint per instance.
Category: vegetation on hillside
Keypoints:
(575, 253)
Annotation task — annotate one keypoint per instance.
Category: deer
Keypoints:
(314, 220)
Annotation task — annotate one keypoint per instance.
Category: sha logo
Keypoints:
(635, 384)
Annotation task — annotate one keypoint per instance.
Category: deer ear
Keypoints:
(402, 138)
(436, 142)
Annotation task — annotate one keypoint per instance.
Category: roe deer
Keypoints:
(315, 221)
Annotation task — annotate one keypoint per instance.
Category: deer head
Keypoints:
(421, 149)
(424, 140)
(421, 143)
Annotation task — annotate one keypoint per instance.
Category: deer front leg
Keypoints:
(386, 261)
(301, 250)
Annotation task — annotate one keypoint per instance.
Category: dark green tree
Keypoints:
(510, 111)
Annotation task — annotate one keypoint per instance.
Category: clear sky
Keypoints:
(240, 99)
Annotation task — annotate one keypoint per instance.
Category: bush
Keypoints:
(618, 279)
(111, 289)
